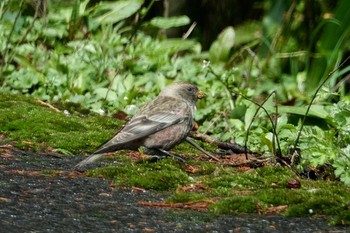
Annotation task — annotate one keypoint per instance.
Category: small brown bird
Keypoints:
(159, 126)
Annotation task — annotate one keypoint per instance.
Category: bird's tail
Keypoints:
(88, 160)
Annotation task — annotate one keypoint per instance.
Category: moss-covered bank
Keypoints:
(36, 127)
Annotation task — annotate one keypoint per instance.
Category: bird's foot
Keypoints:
(158, 154)
(155, 158)
(174, 156)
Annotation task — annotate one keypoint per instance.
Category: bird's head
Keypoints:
(184, 91)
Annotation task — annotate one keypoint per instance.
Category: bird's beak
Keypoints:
(200, 94)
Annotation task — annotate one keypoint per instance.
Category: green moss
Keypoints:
(237, 192)
(162, 175)
(225, 181)
(182, 197)
(190, 151)
(246, 192)
(281, 196)
(37, 127)
(204, 168)
(343, 216)
(314, 205)
(235, 205)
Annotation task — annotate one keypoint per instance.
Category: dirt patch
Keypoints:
(41, 193)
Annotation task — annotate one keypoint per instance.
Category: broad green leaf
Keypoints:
(105, 93)
(220, 49)
(112, 12)
(238, 124)
(249, 115)
(247, 32)
(79, 84)
(170, 22)
(267, 139)
(83, 6)
(129, 82)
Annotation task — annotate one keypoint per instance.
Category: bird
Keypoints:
(159, 126)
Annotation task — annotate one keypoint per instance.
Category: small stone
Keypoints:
(293, 184)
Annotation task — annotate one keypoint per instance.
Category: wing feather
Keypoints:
(138, 128)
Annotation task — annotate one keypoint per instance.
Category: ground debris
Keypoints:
(196, 205)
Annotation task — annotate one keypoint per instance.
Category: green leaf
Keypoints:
(112, 12)
(105, 93)
(249, 115)
(247, 32)
(176, 45)
(79, 84)
(129, 82)
(220, 49)
(330, 44)
(170, 22)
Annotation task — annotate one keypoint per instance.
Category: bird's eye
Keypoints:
(189, 89)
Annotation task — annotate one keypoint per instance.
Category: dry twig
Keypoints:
(47, 105)
(223, 145)
(198, 205)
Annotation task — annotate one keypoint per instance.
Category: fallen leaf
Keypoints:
(134, 188)
(192, 188)
(276, 209)
(197, 205)
(293, 184)
(191, 168)
(5, 199)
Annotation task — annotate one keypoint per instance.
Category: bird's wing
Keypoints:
(142, 126)
(139, 127)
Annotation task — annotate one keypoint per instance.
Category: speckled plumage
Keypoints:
(160, 125)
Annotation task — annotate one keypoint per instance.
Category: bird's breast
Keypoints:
(170, 136)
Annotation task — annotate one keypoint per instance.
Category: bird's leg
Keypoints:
(169, 154)
(190, 141)
(158, 153)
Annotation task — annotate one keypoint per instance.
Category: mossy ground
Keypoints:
(233, 191)
(36, 127)
(254, 191)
